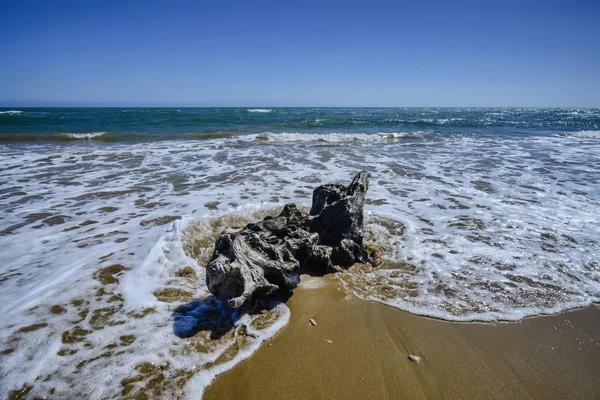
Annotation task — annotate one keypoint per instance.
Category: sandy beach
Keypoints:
(359, 350)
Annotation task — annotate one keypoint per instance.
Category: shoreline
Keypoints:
(359, 349)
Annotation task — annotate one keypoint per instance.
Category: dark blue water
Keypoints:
(139, 124)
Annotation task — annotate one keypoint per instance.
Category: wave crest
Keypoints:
(84, 136)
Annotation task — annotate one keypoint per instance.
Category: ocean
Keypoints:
(108, 216)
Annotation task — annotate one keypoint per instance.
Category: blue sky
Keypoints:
(309, 53)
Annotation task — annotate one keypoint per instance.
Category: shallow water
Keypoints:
(102, 243)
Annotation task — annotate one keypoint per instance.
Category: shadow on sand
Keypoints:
(214, 315)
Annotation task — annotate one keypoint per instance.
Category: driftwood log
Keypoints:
(268, 256)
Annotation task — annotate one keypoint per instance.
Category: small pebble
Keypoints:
(270, 344)
(414, 358)
(312, 322)
(328, 341)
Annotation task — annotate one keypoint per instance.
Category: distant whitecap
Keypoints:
(259, 110)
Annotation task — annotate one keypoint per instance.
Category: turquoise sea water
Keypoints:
(108, 216)
(116, 124)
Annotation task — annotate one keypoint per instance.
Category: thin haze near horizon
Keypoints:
(310, 53)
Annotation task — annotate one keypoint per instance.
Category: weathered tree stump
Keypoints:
(268, 256)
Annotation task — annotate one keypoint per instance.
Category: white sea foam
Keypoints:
(129, 317)
(95, 239)
(337, 137)
(259, 110)
(11, 112)
(583, 134)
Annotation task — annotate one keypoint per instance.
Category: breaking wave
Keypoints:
(338, 137)
(84, 136)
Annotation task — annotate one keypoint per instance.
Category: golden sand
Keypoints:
(360, 350)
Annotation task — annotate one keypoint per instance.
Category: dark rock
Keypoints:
(318, 260)
(348, 253)
(267, 256)
(337, 211)
(252, 262)
(337, 216)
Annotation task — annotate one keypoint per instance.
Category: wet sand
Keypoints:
(359, 350)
